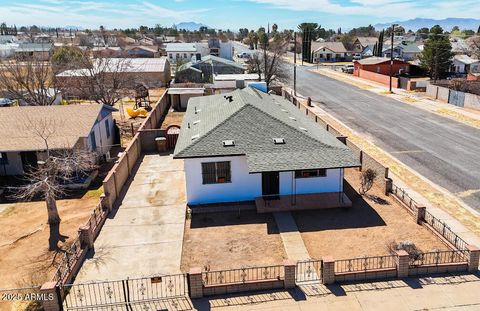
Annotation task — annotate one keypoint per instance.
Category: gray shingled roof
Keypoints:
(253, 119)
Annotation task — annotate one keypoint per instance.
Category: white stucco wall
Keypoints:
(14, 166)
(245, 186)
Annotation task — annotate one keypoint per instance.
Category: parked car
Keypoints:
(357, 56)
(348, 68)
(244, 55)
(5, 102)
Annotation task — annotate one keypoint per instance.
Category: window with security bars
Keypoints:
(311, 173)
(216, 172)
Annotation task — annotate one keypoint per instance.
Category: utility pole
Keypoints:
(391, 56)
(295, 63)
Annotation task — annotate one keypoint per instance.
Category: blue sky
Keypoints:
(228, 13)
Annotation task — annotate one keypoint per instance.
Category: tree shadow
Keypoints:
(55, 237)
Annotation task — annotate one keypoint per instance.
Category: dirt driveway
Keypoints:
(144, 235)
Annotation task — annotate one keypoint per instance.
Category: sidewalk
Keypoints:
(291, 237)
(455, 292)
(469, 117)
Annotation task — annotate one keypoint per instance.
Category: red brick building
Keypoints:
(378, 69)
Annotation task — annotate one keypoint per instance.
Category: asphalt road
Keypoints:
(444, 151)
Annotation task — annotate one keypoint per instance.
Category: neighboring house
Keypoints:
(220, 49)
(89, 127)
(403, 50)
(105, 51)
(380, 65)
(250, 146)
(224, 83)
(184, 51)
(460, 46)
(143, 51)
(37, 51)
(361, 43)
(8, 45)
(368, 51)
(201, 71)
(328, 52)
(152, 72)
(465, 64)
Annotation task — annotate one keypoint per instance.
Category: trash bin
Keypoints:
(161, 143)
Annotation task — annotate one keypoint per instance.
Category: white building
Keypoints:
(465, 64)
(89, 127)
(250, 146)
(187, 51)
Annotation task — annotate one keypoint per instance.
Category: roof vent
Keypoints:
(279, 141)
(292, 118)
(303, 129)
(284, 110)
(195, 136)
(196, 122)
(229, 98)
(228, 143)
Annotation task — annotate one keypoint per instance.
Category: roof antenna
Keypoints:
(195, 109)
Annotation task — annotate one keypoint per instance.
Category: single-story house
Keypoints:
(89, 127)
(143, 51)
(201, 71)
(185, 51)
(403, 50)
(38, 51)
(465, 64)
(152, 72)
(105, 51)
(328, 52)
(360, 43)
(251, 146)
(380, 65)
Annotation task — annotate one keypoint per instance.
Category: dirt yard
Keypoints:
(227, 240)
(363, 230)
(173, 118)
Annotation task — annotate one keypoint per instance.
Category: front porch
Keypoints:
(297, 202)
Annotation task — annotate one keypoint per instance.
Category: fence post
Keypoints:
(402, 261)
(474, 256)
(328, 270)
(421, 214)
(388, 185)
(105, 205)
(51, 301)
(289, 267)
(86, 236)
(195, 282)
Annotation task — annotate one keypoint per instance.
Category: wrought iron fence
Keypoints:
(308, 270)
(405, 198)
(442, 228)
(363, 264)
(112, 293)
(243, 275)
(439, 257)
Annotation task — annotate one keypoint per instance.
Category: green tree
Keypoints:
(455, 28)
(66, 57)
(437, 53)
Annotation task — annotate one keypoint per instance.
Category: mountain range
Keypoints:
(447, 24)
(190, 26)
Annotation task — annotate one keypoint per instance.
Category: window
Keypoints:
(3, 158)
(311, 173)
(216, 172)
(184, 55)
(170, 56)
(107, 127)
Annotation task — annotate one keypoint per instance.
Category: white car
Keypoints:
(244, 55)
(5, 102)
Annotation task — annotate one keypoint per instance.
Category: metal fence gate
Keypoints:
(172, 136)
(308, 271)
(166, 292)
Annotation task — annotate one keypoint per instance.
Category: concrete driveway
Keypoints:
(144, 236)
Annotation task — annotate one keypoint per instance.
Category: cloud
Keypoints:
(93, 14)
(400, 9)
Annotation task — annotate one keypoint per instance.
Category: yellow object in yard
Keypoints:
(133, 113)
(142, 111)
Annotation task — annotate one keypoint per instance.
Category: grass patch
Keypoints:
(94, 193)
(459, 117)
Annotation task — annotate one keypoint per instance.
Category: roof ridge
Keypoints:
(215, 127)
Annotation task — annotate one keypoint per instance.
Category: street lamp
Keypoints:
(391, 56)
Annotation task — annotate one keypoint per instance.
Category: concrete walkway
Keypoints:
(144, 236)
(432, 293)
(291, 237)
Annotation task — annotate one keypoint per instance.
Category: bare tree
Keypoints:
(366, 180)
(474, 43)
(105, 80)
(269, 64)
(57, 168)
(31, 82)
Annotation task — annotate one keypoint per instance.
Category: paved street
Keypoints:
(444, 151)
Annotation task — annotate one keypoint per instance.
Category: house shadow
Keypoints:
(360, 215)
(237, 218)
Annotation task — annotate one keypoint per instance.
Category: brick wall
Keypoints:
(376, 77)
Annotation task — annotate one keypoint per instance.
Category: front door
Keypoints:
(271, 184)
